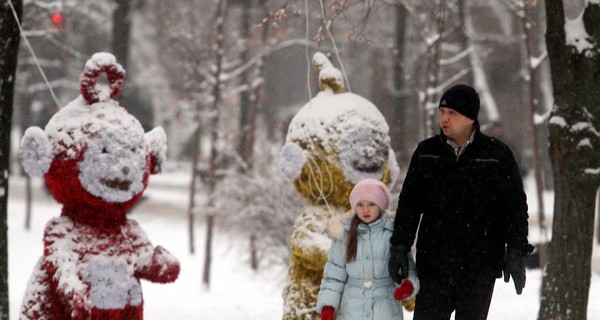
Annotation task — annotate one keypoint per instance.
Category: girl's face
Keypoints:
(367, 211)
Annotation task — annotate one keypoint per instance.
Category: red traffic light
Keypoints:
(57, 18)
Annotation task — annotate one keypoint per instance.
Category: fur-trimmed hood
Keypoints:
(340, 224)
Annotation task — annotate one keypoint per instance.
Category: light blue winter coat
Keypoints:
(361, 289)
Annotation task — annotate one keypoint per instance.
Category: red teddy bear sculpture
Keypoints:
(96, 160)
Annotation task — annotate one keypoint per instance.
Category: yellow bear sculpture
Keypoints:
(334, 141)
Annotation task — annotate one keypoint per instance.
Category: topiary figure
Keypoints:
(96, 161)
(334, 141)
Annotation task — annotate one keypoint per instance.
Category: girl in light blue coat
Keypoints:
(356, 283)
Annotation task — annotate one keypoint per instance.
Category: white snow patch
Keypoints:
(559, 121)
(584, 143)
(576, 35)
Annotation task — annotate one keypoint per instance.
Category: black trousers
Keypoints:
(469, 296)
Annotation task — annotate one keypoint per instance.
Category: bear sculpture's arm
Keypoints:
(62, 264)
(38, 298)
(154, 264)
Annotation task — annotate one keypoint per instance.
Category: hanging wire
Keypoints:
(37, 62)
(335, 49)
(310, 162)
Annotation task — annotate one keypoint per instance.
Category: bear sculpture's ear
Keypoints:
(157, 146)
(35, 152)
(291, 160)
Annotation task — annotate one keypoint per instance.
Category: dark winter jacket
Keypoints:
(473, 207)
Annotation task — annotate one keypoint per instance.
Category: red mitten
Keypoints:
(404, 290)
(328, 313)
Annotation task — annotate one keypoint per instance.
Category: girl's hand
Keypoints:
(404, 290)
(328, 313)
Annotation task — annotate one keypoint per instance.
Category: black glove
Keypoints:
(398, 264)
(515, 267)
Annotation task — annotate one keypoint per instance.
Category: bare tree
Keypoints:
(182, 41)
(10, 14)
(263, 204)
(433, 67)
(219, 45)
(575, 156)
(249, 102)
(121, 31)
(531, 64)
(399, 117)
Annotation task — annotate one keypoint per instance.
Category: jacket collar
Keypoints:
(475, 139)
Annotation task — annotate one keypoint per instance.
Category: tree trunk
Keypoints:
(399, 123)
(121, 32)
(433, 74)
(574, 145)
(9, 42)
(192, 200)
(598, 214)
(466, 42)
(214, 137)
(28, 202)
(25, 122)
(526, 23)
(249, 104)
(246, 132)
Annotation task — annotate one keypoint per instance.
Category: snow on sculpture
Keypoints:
(334, 141)
(96, 161)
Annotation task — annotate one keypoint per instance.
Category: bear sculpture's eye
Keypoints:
(104, 150)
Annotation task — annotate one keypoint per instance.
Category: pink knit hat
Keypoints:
(370, 190)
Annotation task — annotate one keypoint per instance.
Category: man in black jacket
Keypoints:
(464, 193)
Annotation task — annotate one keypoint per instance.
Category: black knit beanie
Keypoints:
(463, 99)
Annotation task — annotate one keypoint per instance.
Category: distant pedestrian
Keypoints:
(356, 283)
(464, 194)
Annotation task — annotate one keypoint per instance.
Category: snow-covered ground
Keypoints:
(236, 292)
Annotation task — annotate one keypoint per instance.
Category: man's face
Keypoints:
(454, 125)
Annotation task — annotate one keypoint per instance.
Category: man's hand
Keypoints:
(515, 267)
(398, 263)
